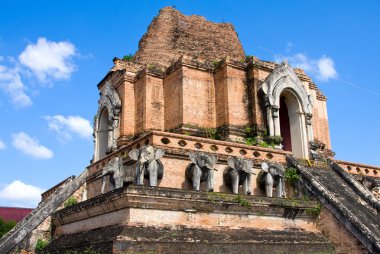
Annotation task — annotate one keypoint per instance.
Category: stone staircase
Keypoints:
(42, 211)
(346, 199)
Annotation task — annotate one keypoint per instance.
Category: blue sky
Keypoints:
(53, 54)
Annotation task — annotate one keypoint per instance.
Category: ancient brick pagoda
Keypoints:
(184, 80)
(192, 139)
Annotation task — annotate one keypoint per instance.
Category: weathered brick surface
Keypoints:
(154, 103)
(198, 98)
(172, 34)
(343, 240)
(197, 80)
(141, 219)
(140, 105)
(173, 100)
(122, 239)
(237, 97)
(221, 99)
(127, 97)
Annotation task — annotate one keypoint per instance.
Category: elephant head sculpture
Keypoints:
(239, 172)
(148, 164)
(201, 169)
(272, 176)
(114, 168)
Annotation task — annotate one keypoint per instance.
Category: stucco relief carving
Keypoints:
(284, 81)
(283, 77)
(110, 101)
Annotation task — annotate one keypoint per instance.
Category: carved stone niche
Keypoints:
(106, 122)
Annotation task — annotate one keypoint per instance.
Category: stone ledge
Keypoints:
(183, 201)
(123, 239)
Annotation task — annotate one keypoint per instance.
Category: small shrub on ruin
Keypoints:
(41, 244)
(291, 175)
(128, 58)
(70, 201)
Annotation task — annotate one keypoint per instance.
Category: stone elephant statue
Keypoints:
(148, 164)
(114, 168)
(201, 169)
(239, 172)
(272, 176)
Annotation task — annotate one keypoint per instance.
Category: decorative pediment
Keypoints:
(283, 77)
(109, 99)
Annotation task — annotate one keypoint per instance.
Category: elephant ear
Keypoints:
(193, 157)
(159, 153)
(231, 162)
(265, 166)
(134, 154)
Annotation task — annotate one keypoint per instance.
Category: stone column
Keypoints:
(309, 127)
(276, 121)
(268, 107)
(304, 136)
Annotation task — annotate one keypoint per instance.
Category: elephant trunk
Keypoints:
(210, 180)
(268, 184)
(140, 173)
(235, 181)
(197, 172)
(280, 189)
(247, 186)
(153, 173)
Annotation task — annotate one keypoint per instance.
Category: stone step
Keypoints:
(38, 215)
(135, 239)
(353, 209)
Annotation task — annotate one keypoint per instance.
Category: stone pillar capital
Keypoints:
(275, 111)
(308, 117)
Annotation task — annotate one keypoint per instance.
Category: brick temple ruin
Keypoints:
(202, 149)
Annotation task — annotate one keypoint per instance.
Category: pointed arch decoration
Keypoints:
(283, 79)
(109, 101)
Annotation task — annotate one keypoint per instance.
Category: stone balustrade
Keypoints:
(359, 169)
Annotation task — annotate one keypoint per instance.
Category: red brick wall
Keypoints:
(173, 100)
(198, 98)
(154, 103)
(221, 96)
(237, 97)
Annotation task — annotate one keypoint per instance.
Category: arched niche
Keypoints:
(106, 124)
(283, 85)
(103, 132)
(293, 133)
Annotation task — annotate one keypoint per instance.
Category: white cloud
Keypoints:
(46, 60)
(24, 194)
(12, 85)
(49, 59)
(64, 127)
(322, 68)
(326, 68)
(2, 145)
(30, 146)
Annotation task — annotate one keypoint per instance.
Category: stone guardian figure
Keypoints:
(239, 172)
(114, 168)
(272, 176)
(201, 169)
(148, 164)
